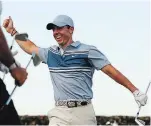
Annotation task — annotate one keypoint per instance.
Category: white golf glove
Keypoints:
(140, 98)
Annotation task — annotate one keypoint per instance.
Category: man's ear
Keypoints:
(71, 30)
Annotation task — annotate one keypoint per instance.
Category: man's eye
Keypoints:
(58, 28)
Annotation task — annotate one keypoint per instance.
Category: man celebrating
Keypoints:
(71, 66)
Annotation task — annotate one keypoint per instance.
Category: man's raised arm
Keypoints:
(27, 45)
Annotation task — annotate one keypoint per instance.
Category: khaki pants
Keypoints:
(62, 115)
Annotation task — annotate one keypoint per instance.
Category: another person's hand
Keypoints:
(8, 25)
(140, 98)
(20, 75)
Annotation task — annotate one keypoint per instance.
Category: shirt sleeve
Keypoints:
(97, 59)
(43, 54)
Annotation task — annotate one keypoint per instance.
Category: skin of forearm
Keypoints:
(27, 46)
(5, 54)
(119, 78)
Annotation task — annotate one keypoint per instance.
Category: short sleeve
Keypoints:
(97, 59)
(43, 54)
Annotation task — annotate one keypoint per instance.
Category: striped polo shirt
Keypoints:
(71, 72)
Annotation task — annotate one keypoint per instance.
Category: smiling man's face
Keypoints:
(62, 35)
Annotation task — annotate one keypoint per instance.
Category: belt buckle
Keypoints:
(71, 104)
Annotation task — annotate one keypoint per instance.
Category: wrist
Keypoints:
(133, 89)
(13, 32)
(136, 92)
(13, 66)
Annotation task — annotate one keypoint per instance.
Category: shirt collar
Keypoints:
(74, 44)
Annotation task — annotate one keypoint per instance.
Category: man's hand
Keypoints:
(140, 98)
(20, 75)
(8, 25)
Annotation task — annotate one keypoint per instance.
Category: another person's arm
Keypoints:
(5, 52)
(18, 73)
(7, 59)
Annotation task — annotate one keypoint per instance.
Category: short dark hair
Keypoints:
(68, 26)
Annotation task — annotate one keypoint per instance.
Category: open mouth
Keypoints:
(58, 37)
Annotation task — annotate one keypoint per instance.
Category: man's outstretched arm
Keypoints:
(28, 46)
(118, 77)
(112, 72)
